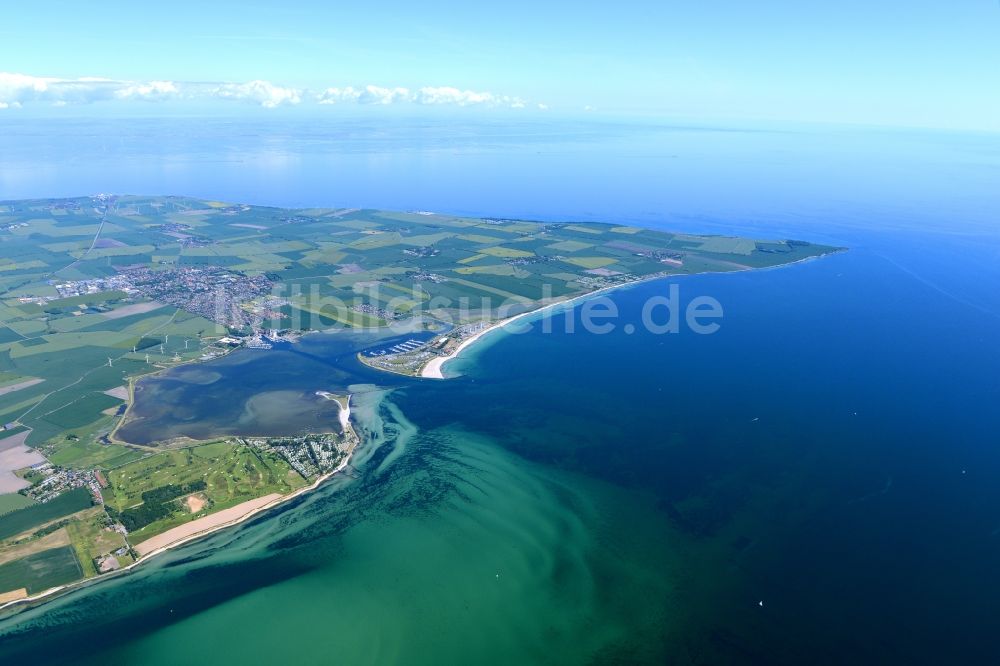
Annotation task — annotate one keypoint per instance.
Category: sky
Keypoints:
(890, 63)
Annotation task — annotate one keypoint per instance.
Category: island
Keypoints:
(98, 292)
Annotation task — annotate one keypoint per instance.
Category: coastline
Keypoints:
(208, 530)
(212, 526)
(434, 368)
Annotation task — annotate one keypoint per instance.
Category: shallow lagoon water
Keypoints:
(253, 392)
(634, 498)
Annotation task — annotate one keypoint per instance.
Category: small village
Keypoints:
(310, 455)
(52, 481)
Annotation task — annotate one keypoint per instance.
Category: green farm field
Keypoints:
(12, 502)
(41, 571)
(25, 519)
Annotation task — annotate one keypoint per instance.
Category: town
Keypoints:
(213, 292)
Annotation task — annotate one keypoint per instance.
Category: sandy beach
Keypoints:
(435, 367)
(232, 516)
(209, 523)
(345, 415)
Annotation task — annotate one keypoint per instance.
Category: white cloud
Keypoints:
(337, 95)
(366, 95)
(17, 89)
(449, 95)
(442, 95)
(20, 89)
(379, 95)
(153, 91)
(264, 93)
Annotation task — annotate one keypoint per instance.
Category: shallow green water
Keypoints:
(448, 549)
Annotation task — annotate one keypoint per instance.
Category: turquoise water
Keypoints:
(633, 498)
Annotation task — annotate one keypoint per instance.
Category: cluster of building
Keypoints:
(269, 307)
(604, 281)
(402, 362)
(37, 300)
(661, 255)
(423, 251)
(196, 241)
(375, 311)
(405, 358)
(309, 455)
(210, 291)
(68, 204)
(257, 340)
(409, 357)
(295, 219)
(109, 561)
(172, 228)
(93, 286)
(461, 332)
(180, 231)
(58, 480)
(429, 277)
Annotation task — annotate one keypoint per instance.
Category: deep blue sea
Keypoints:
(814, 483)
